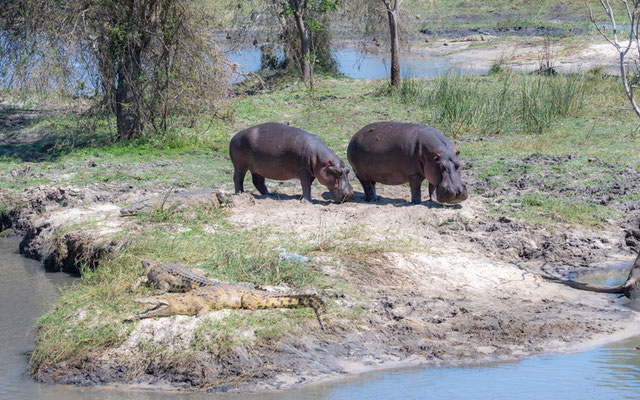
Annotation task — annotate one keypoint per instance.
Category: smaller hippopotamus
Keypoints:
(282, 152)
(394, 153)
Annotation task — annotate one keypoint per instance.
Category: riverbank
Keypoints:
(404, 284)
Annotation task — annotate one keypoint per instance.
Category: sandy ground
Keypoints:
(523, 57)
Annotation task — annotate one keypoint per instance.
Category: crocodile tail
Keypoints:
(296, 300)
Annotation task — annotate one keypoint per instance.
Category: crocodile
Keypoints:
(174, 202)
(227, 295)
(169, 277)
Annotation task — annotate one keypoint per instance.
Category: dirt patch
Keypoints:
(64, 227)
(475, 225)
(521, 57)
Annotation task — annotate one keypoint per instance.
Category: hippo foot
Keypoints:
(372, 199)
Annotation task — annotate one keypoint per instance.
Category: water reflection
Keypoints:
(26, 291)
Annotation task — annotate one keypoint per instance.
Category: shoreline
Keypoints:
(391, 366)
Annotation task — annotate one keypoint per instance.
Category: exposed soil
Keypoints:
(456, 284)
(464, 52)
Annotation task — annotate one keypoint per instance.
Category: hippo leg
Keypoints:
(415, 183)
(305, 181)
(238, 179)
(432, 192)
(369, 189)
(258, 182)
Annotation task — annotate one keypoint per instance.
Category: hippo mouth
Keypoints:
(341, 196)
(449, 196)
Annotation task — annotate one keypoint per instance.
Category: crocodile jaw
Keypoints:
(157, 308)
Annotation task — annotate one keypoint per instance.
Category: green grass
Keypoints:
(451, 14)
(499, 103)
(87, 317)
(544, 209)
(105, 296)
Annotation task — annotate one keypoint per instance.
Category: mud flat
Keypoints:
(418, 292)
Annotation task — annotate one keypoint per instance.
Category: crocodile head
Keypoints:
(157, 307)
(148, 266)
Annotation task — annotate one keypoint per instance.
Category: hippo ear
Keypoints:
(456, 151)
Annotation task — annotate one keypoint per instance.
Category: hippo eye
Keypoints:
(335, 172)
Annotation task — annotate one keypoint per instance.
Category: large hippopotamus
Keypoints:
(282, 152)
(394, 153)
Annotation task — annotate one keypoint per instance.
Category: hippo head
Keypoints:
(446, 177)
(335, 176)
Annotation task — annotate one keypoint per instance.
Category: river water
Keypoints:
(606, 372)
(368, 65)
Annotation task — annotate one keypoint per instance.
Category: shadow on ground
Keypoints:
(19, 137)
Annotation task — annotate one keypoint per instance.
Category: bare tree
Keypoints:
(632, 9)
(392, 13)
(370, 16)
(311, 39)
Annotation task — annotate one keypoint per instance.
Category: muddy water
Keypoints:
(26, 291)
(606, 372)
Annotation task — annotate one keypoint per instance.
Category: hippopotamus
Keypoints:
(282, 152)
(394, 153)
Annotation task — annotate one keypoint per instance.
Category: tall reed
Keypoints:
(508, 102)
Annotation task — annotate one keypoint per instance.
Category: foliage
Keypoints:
(144, 59)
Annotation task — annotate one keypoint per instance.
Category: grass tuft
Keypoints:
(503, 102)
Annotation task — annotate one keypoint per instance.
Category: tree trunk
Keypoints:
(396, 79)
(128, 116)
(305, 62)
(107, 79)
